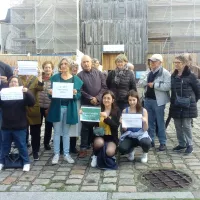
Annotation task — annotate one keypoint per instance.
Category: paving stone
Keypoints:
(82, 172)
(193, 163)
(89, 188)
(37, 188)
(9, 180)
(108, 187)
(72, 188)
(141, 166)
(40, 163)
(59, 178)
(44, 158)
(92, 176)
(3, 188)
(110, 173)
(27, 177)
(197, 172)
(5, 174)
(127, 189)
(91, 182)
(17, 173)
(180, 166)
(122, 175)
(73, 181)
(18, 188)
(126, 181)
(41, 181)
(1, 179)
(167, 165)
(79, 167)
(110, 180)
(46, 175)
(63, 169)
(37, 168)
(24, 183)
(56, 185)
(194, 167)
(76, 176)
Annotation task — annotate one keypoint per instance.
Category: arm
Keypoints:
(114, 121)
(195, 87)
(164, 85)
(145, 119)
(29, 99)
(103, 87)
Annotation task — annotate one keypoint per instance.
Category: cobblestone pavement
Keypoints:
(80, 177)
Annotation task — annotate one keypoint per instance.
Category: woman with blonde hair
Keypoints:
(63, 111)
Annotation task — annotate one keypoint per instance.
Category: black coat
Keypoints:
(121, 90)
(190, 88)
(14, 112)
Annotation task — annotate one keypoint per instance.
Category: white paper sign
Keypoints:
(12, 93)
(131, 120)
(62, 90)
(27, 67)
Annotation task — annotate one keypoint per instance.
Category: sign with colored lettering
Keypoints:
(90, 114)
(131, 120)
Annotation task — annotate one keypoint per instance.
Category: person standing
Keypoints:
(120, 81)
(184, 84)
(63, 111)
(94, 85)
(44, 102)
(157, 84)
(5, 73)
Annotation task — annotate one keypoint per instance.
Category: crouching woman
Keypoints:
(14, 124)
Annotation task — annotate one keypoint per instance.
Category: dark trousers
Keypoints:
(48, 127)
(128, 144)
(72, 144)
(87, 134)
(19, 137)
(35, 137)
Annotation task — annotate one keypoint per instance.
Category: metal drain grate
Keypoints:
(167, 179)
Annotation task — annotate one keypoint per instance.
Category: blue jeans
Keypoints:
(61, 129)
(0, 131)
(19, 137)
(156, 114)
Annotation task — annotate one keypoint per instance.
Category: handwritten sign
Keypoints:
(12, 93)
(90, 114)
(62, 90)
(131, 120)
(27, 67)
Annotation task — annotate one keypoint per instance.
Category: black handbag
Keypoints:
(182, 102)
(13, 160)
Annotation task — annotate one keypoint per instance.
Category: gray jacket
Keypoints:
(162, 85)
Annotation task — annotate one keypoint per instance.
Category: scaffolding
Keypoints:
(108, 22)
(174, 26)
(45, 26)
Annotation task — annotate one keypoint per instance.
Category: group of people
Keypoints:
(115, 94)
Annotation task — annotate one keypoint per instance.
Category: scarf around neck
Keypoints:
(120, 74)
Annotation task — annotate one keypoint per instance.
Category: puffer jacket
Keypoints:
(44, 100)
(190, 88)
(125, 85)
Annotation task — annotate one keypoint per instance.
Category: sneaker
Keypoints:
(94, 161)
(178, 148)
(162, 147)
(47, 147)
(69, 159)
(1, 166)
(189, 149)
(35, 156)
(55, 159)
(82, 154)
(144, 158)
(131, 156)
(26, 168)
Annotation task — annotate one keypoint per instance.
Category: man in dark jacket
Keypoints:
(5, 73)
(94, 85)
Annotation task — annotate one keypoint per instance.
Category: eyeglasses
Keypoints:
(177, 63)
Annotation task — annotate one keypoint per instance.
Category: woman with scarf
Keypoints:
(44, 102)
(120, 81)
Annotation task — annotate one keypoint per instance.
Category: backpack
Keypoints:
(104, 161)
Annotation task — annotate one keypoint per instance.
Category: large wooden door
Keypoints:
(109, 61)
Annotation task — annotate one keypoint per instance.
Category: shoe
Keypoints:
(94, 161)
(26, 168)
(144, 158)
(82, 154)
(189, 149)
(47, 147)
(162, 147)
(178, 148)
(131, 156)
(69, 159)
(1, 166)
(152, 144)
(55, 159)
(35, 156)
